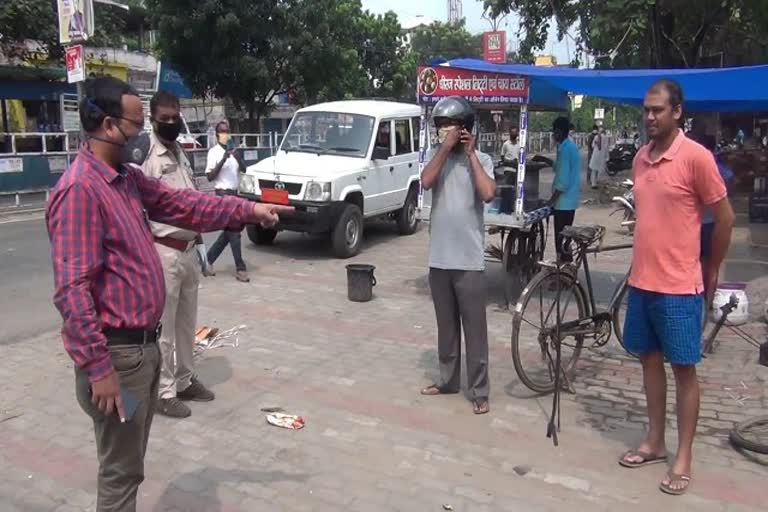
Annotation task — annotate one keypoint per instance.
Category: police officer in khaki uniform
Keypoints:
(167, 162)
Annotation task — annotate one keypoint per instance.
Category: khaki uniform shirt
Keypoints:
(175, 171)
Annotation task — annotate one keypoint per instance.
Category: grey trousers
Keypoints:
(459, 297)
(121, 446)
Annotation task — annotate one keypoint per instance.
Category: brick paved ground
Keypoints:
(372, 443)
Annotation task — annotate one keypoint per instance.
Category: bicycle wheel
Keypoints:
(751, 435)
(535, 314)
(620, 313)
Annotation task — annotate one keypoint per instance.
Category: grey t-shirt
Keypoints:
(457, 234)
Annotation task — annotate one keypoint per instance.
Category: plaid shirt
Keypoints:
(106, 269)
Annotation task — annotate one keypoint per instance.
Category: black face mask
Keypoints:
(134, 149)
(168, 131)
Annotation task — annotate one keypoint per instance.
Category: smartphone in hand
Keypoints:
(130, 403)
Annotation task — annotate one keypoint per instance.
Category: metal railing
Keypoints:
(56, 146)
(37, 143)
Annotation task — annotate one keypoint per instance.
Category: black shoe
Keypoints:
(173, 408)
(196, 392)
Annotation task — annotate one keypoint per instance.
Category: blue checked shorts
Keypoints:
(671, 324)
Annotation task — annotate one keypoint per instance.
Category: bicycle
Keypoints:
(560, 283)
(588, 322)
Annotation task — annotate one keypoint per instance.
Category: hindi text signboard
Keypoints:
(476, 86)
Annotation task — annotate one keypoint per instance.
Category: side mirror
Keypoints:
(380, 153)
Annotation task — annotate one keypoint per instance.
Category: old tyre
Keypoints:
(407, 220)
(259, 235)
(347, 235)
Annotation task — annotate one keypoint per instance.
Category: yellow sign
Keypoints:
(546, 60)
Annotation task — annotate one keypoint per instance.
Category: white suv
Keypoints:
(340, 163)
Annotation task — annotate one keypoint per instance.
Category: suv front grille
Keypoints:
(292, 188)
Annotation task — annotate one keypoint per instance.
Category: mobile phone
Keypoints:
(130, 403)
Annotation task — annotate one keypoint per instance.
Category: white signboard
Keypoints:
(251, 154)
(599, 113)
(9, 165)
(70, 112)
(75, 20)
(57, 164)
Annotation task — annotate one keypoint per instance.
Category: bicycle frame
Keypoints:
(586, 325)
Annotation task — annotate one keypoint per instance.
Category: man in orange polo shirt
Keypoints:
(675, 178)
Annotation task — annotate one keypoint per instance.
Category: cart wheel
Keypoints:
(514, 279)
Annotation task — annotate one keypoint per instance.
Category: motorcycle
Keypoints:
(620, 157)
(625, 203)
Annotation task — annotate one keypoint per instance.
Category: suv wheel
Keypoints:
(407, 220)
(259, 235)
(347, 235)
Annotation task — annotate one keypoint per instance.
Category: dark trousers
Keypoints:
(121, 446)
(230, 237)
(563, 218)
(459, 297)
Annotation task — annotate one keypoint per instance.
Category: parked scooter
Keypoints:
(620, 157)
(625, 203)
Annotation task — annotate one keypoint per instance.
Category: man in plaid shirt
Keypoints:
(109, 281)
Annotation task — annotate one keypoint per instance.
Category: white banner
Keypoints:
(75, 20)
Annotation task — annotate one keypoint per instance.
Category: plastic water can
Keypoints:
(738, 316)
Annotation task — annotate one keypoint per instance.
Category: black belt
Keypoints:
(131, 336)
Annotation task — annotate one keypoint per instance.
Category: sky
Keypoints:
(473, 10)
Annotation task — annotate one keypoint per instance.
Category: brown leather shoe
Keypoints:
(242, 276)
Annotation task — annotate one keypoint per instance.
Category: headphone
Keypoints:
(92, 112)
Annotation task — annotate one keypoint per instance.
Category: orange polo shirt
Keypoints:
(669, 195)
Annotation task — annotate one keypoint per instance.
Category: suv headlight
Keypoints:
(317, 191)
(247, 184)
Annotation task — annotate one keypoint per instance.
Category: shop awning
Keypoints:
(739, 89)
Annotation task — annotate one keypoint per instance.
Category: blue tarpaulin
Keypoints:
(740, 89)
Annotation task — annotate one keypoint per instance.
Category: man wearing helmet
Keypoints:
(461, 180)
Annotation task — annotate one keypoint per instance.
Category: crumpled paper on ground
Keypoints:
(228, 338)
(282, 420)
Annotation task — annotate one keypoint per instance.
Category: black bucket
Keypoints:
(360, 282)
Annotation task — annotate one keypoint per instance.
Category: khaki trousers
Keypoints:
(177, 341)
(121, 446)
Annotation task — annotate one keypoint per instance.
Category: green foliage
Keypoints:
(36, 20)
(647, 33)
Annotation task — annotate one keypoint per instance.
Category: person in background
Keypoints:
(599, 159)
(566, 189)
(707, 217)
(176, 246)
(590, 140)
(108, 279)
(510, 150)
(223, 169)
(675, 179)
(461, 180)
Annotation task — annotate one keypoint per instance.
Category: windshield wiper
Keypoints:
(344, 149)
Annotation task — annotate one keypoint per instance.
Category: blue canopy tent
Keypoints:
(706, 90)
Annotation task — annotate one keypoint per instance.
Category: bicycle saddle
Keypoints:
(584, 234)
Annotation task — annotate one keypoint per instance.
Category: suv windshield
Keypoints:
(329, 133)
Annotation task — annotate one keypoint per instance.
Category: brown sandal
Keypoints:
(481, 406)
(673, 479)
(434, 390)
(646, 459)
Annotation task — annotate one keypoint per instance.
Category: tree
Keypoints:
(250, 51)
(437, 41)
(36, 20)
(646, 33)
